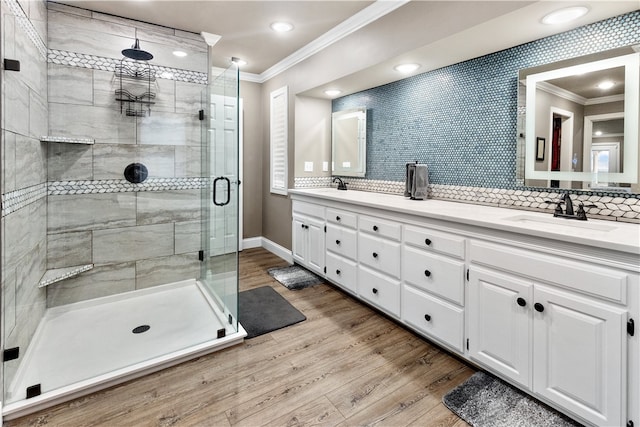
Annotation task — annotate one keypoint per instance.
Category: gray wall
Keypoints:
(23, 176)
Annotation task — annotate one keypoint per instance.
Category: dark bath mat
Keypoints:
(485, 401)
(263, 310)
(294, 277)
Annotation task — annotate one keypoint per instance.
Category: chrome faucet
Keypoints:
(341, 184)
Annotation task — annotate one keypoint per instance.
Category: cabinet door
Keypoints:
(580, 355)
(315, 251)
(299, 240)
(499, 325)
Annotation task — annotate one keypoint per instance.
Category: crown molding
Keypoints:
(377, 10)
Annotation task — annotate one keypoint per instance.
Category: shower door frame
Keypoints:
(219, 272)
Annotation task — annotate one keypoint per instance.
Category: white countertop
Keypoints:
(614, 235)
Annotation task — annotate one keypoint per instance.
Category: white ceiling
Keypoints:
(442, 32)
(243, 25)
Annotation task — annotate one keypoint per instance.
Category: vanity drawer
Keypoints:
(579, 276)
(380, 227)
(308, 209)
(341, 241)
(430, 240)
(434, 317)
(379, 290)
(341, 271)
(381, 254)
(344, 218)
(433, 273)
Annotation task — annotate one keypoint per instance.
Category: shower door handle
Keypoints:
(215, 186)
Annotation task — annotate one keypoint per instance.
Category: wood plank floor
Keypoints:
(346, 365)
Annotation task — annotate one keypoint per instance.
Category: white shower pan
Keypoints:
(91, 345)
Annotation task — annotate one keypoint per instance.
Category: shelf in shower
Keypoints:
(67, 140)
(58, 274)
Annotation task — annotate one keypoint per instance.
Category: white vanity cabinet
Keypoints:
(433, 272)
(534, 324)
(341, 243)
(379, 263)
(308, 240)
(548, 306)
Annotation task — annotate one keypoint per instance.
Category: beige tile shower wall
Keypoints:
(136, 239)
(23, 168)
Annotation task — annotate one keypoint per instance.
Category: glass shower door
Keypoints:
(220, 200)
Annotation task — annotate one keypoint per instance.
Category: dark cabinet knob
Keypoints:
(427, 317)
(337, 242)
(374, 290)
(521, 302)
(375, 255)
(375, 228)
(539, 307)
(338, 218)
(427, 273)
(338, 272)
(427, 242)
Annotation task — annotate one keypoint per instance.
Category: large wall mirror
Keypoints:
(580, 129)
(349, 142)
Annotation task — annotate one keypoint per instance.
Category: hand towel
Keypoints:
(420, 187)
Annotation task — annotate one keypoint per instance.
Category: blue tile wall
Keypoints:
(461, 120)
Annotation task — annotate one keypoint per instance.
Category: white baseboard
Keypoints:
(252, 242)
(276, 249)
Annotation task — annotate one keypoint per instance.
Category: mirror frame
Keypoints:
(361, 169)
(631, 62)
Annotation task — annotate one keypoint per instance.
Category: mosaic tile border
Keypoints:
(620, 207)
(23, 22)
(16, 200)
(94, 62)
(59, 188)
(67, 140)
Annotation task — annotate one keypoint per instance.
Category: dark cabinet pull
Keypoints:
(338, 272)
(427, 317)
(521, 302)
(539, 307)
(374, 290)
(337, 242)
(427, 242)
(375, 228)
(375, 255)
(427, 273)
(337, 218)
(302, 225)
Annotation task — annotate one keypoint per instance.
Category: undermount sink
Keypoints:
(554, 222)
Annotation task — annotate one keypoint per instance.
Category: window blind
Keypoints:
(278, 140)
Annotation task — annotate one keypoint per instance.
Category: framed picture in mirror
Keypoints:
(540, 146)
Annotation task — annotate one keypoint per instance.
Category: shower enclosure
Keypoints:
(104, 280)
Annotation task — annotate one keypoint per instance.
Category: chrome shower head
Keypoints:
(136, 53)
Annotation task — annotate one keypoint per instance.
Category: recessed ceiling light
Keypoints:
(564, 15)
(179, 53)
(333, 92)
(239, 62)
(406, 68)
(607, 84)
(598, 133)
(281, 27)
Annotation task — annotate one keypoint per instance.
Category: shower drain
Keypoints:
(140, 329)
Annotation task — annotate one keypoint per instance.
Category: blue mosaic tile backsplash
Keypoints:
(461, 120)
